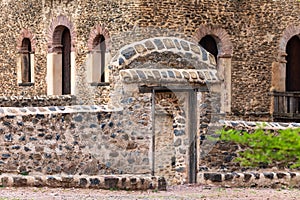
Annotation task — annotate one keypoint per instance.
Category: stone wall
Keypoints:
(152, 44)
(71, 140)
(218, 156)
(254, 29)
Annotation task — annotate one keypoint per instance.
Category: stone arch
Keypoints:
(55, 31)
(177, 46)
(134, 76)
(221, 36)
(287, 34)
(225, 51)
(99, 30)
(25, 33)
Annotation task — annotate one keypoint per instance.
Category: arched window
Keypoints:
(26, 61)
(217, 41)
(293, 64)
(210, 45)
(61, 60)
(61, 70)
(66, 61)
(99, 50)
(98, 56)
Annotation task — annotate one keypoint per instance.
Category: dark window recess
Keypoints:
(293, 64)
(100, 46)
(26, 61)
(66, 61)
(210, 45)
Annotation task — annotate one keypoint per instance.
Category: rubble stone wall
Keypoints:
(219, 156)
(71, 140)
(254, 30)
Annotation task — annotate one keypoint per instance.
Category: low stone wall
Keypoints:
(251, 179)
(71, 140)
(123, 182)
(218, 156)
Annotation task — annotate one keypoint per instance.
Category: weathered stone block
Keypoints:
(128, 53)
(19, 181)
(111, 182)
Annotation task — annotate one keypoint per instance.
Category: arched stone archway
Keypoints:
(25, 33)
(54, 34)
(170, 68)
(181, 47)
(61, 57)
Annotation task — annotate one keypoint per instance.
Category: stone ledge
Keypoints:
(250, 179)
(37, 101)
(255, 125)
(17, 111)
(123, 182)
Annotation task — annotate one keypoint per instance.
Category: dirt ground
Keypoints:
(178, 192)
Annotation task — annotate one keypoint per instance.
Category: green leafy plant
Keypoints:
(263, 147)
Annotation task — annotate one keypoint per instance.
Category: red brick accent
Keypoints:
(99, 30)
(221, 36)
(25, 33)
(55, 30)
(287, 34)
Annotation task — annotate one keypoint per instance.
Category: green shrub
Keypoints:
(262, 147)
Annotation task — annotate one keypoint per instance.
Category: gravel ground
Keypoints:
(177, 192)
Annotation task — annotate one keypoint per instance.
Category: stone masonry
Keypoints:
(163, 92)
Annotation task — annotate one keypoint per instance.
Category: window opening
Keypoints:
(210, 45)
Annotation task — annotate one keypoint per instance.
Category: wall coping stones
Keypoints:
(250, 179)
(162, 44)
(39, 100)
(123, 182)
(256, 125)
(168, 75)
(18, 111)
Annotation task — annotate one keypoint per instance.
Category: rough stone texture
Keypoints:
(249, 25)
(252, 179)
(123, 182)
(54, 142)
(147, 40)
(37, 101)
(218, 156)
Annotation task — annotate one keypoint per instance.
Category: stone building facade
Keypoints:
(119, 86)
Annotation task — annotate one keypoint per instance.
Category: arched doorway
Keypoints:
(293, 64)
(173, 102)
